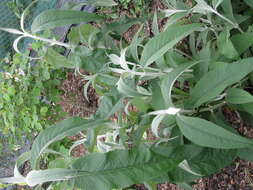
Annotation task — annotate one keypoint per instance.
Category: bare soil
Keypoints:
(73, 101)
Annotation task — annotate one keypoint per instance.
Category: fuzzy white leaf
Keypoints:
(155, 124)
(12, 30)
(169, 111)
(170, 12)
(185, 166)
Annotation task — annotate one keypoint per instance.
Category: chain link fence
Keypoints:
(10, 20)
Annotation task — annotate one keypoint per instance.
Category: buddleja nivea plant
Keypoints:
(173, 86)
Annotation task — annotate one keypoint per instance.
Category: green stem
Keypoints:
(212, 108)
(229, 21)
(51, 41)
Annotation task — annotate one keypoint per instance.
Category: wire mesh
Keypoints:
(8, 19)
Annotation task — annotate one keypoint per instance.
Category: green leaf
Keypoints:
(169, 80)
(219, 119)
(216, 80)
(179, 175)
(205, 133)
(11, 91)
(53, 18)
(100, 3)
(137, 134)
(171, 12)
(104, 3)
(127, 88)
(228, 9)
(238, 96)
(43, 110)
(207, 162)
(216, 3)
(136, 42)
(248, 108)
(57, 60)
(155, 26)
(225, 46)
(121, 168)
(174, 19)
(68, 127)
(12, 180)
(202, 7)
(57, 163)
(18, 177)
(246, 117)
(205, 55)
(36, 177)
(122, 24)
(107, 80)
(109, 106)
(210, 161)
(91, 139)
(170, 3)
(155, 125)
(173, 59)
(81, 33)
(141, 104)
(164, 41)
(179, 152)
(242, 41)
(94, 62)
(115, 169)
(246, 154)
(157, 103)
(249, 2)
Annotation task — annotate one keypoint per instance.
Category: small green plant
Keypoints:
(161, 98)
(17, 7)
(29, 97)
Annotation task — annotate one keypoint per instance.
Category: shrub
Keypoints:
(174, 85)
(29, 97)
